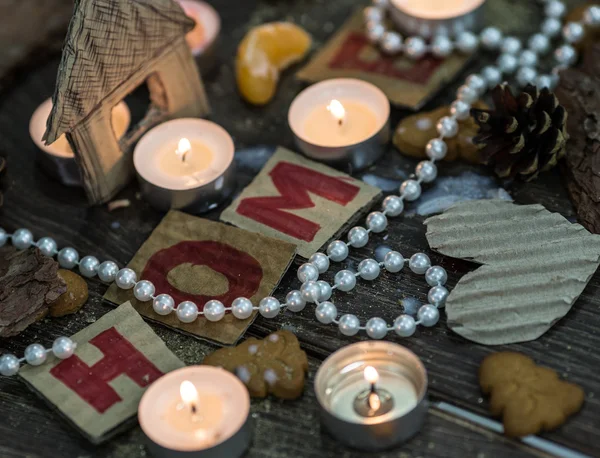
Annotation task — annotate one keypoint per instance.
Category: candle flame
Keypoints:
(183, 147)
(371, 375)
(188, 392)
(337, 110)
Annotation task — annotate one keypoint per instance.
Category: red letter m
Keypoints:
(294, 182)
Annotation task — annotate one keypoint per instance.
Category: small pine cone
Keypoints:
(523, 135)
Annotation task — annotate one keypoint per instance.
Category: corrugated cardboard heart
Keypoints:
(535, 266)
(98, 389)
(195, 259)
(406, 82)
(300, 201)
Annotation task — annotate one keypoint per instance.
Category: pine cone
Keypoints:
(523, 135)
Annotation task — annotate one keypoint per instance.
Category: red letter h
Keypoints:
(91, 382)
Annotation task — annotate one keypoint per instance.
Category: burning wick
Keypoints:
(372, 377)
(374, 401)
(189, 394)
(337, 110)
(183, 147)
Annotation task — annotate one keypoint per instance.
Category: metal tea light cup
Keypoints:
(196, 200)
(232, 447)
(169, 425)
(164, 192)
(470, 18)
(58, 159)
(354, 156)
(339, 372)
(210, 21)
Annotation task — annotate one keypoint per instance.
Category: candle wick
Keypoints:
(340, 122)
(374, 401)
(373, 398)
(193, 406)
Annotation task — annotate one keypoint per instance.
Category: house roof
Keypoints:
(107, 42)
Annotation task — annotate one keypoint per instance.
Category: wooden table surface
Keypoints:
(286, 429)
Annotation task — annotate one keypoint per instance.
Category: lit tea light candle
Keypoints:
(201, 39)
(58, 158)
(185, 164)
(372, 395)
(432, 17)
(197, 411)
(344, 122)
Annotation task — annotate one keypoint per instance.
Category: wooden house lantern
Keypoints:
(112, 47)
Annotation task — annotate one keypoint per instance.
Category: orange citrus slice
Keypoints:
(264, 52)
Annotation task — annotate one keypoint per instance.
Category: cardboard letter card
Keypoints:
(194, 259)
(406, 82)
(98, 389)
(301, 201)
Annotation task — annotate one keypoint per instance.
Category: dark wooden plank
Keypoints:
(283, 429)
(452, 361)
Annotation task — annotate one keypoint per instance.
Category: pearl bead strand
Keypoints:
(512, 57)
(369, 269)
(36, 354)
(312, 289)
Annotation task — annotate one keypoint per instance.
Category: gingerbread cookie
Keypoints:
(414, 132)
(274, 365)
(529, 398)
(75, 296)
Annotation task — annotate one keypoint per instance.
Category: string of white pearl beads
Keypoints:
(36, 354)
(318, 292)
(564, 55)
(490, 38)
(369, 269)
(68, 258)
(311, 291)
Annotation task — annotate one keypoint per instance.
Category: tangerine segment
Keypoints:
(264, 52)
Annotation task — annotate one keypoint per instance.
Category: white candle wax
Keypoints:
(221, 407)
(357, 123)
(401, 389)
(208, 24)
(437, 9)
(61, 148)
(158, 159)
(361, 418)
(186, 159)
